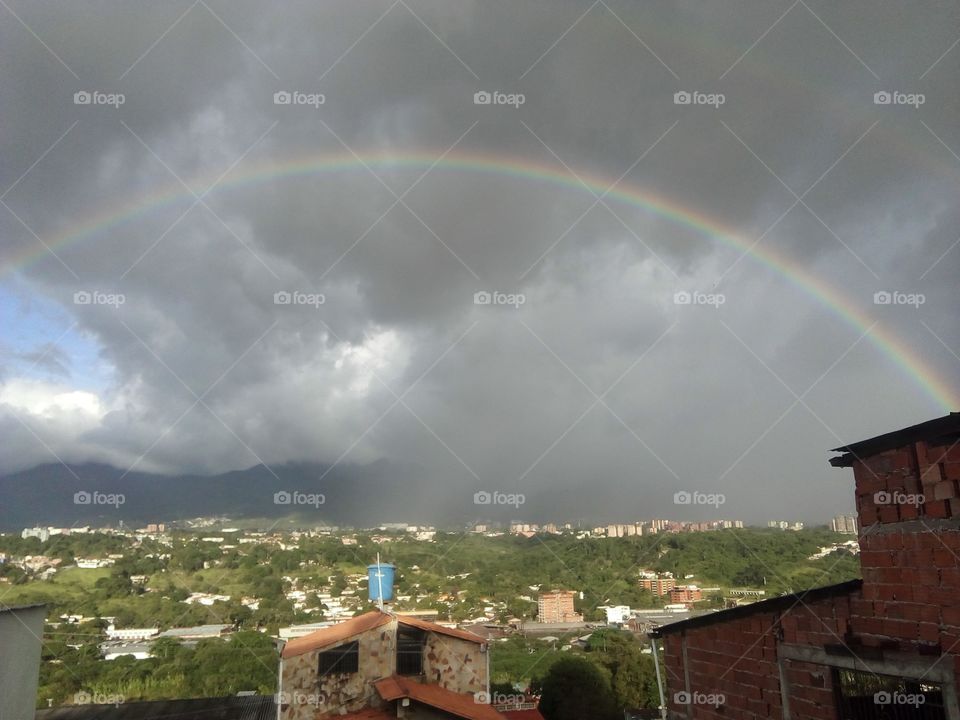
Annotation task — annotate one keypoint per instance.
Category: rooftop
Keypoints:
(939, 431)
(782, 602)
(361, 624)
(462, 705)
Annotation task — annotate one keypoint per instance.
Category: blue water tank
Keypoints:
(382, 580)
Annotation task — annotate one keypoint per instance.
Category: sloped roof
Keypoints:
(433, 627)
(335, 633)
(781, 602)
(462, 705)
(362, 623)
(939, 431)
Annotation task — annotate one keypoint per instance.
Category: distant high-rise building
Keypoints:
(659, 586)
(43, 534)
(556, 606)
(688, 594)
(846, 524)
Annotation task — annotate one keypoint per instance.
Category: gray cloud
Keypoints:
(498, 396)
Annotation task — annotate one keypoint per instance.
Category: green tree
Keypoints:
(576, 689)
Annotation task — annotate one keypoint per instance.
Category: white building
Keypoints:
(42, 533)
(140, 651)
(93, 563)
(115, 633)
(618, 614)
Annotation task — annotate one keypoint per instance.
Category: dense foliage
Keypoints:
(213, 668)
(461, 575)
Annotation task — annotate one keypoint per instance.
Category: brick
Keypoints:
(931, 474)
(944, 490)
(909, 512)
(876, 559)
(928, 632)
(950, 615)
(889, 514)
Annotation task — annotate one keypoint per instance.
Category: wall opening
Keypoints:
(868, 696)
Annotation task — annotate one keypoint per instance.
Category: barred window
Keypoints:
(410, 644)
(343, 659)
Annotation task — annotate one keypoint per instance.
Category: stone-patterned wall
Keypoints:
(455, 664)
(307, 697)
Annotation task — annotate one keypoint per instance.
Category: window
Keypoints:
(866, 696)
(410, 644)
(343, 659)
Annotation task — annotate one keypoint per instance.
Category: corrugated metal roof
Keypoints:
(250, 707)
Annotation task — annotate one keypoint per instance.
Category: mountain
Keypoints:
(95, 494)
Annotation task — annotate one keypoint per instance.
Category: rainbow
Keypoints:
(911, 364)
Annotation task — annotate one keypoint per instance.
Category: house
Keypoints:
(197, 632)
(382, 665)
(887, 646)
(556, 606)
(21, 628)
(115, 633)
(139, 651)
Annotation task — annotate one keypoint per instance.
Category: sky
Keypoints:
(597, 253)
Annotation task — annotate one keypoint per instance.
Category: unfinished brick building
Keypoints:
(884, 647)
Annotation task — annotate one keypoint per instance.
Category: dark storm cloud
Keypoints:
(598, 379)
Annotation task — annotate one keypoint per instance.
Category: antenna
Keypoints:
(379, 584)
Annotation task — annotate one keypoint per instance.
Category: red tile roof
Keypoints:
(360, 624)
(522, 714)
(433, 627)
(462, 705)
(335, 633)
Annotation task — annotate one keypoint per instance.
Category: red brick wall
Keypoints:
(905, 473)
(738, 660)
(909, 603)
